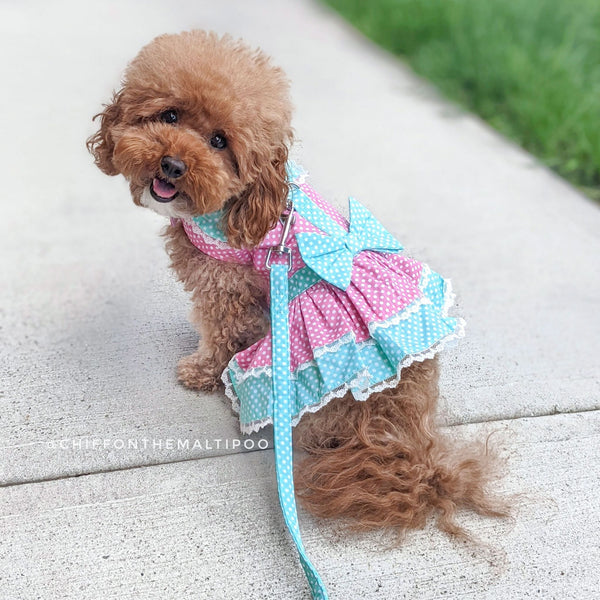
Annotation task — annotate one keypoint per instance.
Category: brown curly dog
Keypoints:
(203, 123)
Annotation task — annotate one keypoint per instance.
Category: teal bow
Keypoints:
(331, 256)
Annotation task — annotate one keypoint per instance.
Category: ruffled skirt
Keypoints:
(394, 312)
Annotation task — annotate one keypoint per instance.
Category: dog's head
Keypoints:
(201, 123)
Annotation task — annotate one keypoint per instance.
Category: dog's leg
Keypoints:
(229, 316)
(383, 462)
(228, 310)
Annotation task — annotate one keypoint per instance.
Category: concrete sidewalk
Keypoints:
(93, 325)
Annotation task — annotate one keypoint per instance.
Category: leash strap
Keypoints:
(282, 412)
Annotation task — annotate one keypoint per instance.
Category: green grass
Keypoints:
(531, 68)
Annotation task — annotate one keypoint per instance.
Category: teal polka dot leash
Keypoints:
(330, 257)
(282, 409)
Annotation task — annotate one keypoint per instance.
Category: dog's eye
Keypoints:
(168, 116)
(218, 141)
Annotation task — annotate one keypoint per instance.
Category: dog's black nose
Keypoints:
(172, 167)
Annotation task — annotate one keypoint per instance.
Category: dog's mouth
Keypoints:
(163, 191)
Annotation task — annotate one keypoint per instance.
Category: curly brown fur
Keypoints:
(229, 309)
(384, 463)
(381, 462)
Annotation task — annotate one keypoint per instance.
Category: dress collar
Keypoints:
(211, 224)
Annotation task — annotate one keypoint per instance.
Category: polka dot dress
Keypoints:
(383, 311)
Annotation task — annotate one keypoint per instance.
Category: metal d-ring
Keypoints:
(281, 248)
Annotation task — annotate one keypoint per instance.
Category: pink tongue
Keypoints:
(162, 188)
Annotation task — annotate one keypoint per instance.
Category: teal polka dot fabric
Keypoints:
(282, 428)
(211, 224)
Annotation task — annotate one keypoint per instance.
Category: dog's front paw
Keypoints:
(199, 373)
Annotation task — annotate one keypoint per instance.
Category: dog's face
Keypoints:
(201, 123)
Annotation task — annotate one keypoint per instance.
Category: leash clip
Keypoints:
(281, 248)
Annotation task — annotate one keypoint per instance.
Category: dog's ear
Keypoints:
(101, 145)
(255, 212)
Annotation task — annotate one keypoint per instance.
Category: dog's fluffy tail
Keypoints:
(382, 463)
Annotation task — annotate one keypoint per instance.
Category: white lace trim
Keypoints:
(425, 275)
(206, 238)
(235, 401)
(242, 375)
(364, 394)
(302, 175)
(404, 314)
(449, 297)
(334, 346)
